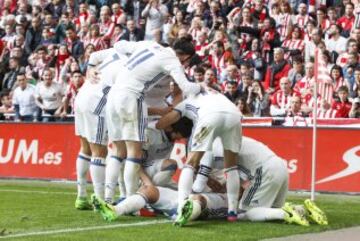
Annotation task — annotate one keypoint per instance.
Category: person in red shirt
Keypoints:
(342, 105)
(280, 68)
(346, 22)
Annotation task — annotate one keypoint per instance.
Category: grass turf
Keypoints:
(45, 206)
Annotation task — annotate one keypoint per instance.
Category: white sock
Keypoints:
(82, 168)
(121, 181)
(111, 178)
(130, 205)
(232, 187)
(97, 172)
(196, 210)
(201, 178)
(185, 184)
(263, 214)
(131, 175)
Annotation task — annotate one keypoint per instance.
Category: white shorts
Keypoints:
(126, 116)
(91, 127)
(167, 203)
(225, 125)
(216, 206)
(269, 186)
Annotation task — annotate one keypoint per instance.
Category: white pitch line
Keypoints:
(40, 192)
(73, 230)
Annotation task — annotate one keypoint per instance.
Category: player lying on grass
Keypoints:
(264, 197)
(163, 200)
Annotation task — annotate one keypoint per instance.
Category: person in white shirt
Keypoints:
(335, 42)
(24, 100)
(90, 123)
(48, 95)
(213, 116)
(149, 63)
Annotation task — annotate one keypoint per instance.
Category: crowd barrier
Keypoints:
(48, 151)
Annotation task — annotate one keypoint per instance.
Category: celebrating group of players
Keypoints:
(122, 103)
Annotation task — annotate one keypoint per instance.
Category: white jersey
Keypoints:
(196, 107)
(253, 155)
(148, 64)
(93, 96)
(157, 146)
(156, 96)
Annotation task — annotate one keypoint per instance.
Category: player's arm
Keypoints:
(168, 119)
(145, 178)
(125, 47)
(176, 71)
(98, 57)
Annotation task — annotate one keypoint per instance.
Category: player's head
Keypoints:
(181, 129)
(185, 51)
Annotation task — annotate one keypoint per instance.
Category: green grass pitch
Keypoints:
(45, 211)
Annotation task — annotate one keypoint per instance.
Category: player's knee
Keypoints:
(98, 150)
(150, 192)
(169, 165)
(200, 198)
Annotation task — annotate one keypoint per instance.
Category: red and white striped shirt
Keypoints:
(293, 44)
(281, 99)
(301, 20)
(326, 114)
(285, 22)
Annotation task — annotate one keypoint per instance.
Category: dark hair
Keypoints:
(70, 27)
(184, 46)
(76, 72)
(343, 88)
(4, 93)
(337, 67)
(183, 126)
(199, 69)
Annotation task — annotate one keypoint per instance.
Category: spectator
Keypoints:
(346, 22)
(310, 45)
(95, 39)
(355, 88)
(342, 104)
(199, 74)
(48, 96)
(355, 108)
(133, 33)
(295, 45)
(231, 91)
(258, 100)
(295, 107)
(302, 17)
(210, 80)
(296, 73)
(84, 59)
(119, 34)
(154, 13)
(75, 46)
(60, 31)
(279, 69)
(10, 77)
(6, 106)
(325, 111)
(304, 84)
(76, 81)
(24, 100)
(351, 47)
(178, 22)
(335, 44)
(33, 35)
(281, 99)
(243, 107)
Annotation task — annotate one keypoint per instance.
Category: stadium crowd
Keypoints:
(259, 53)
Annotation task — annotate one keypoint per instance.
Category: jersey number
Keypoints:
(138, 58)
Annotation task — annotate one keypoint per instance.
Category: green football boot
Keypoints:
(184, 214)
(82, 203)
(106, 210)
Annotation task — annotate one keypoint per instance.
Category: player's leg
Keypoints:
(230, 134)
(82, 168)
(203, 173)
(132, 166)
(97, 168)
(114, 171)
(165, 170)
